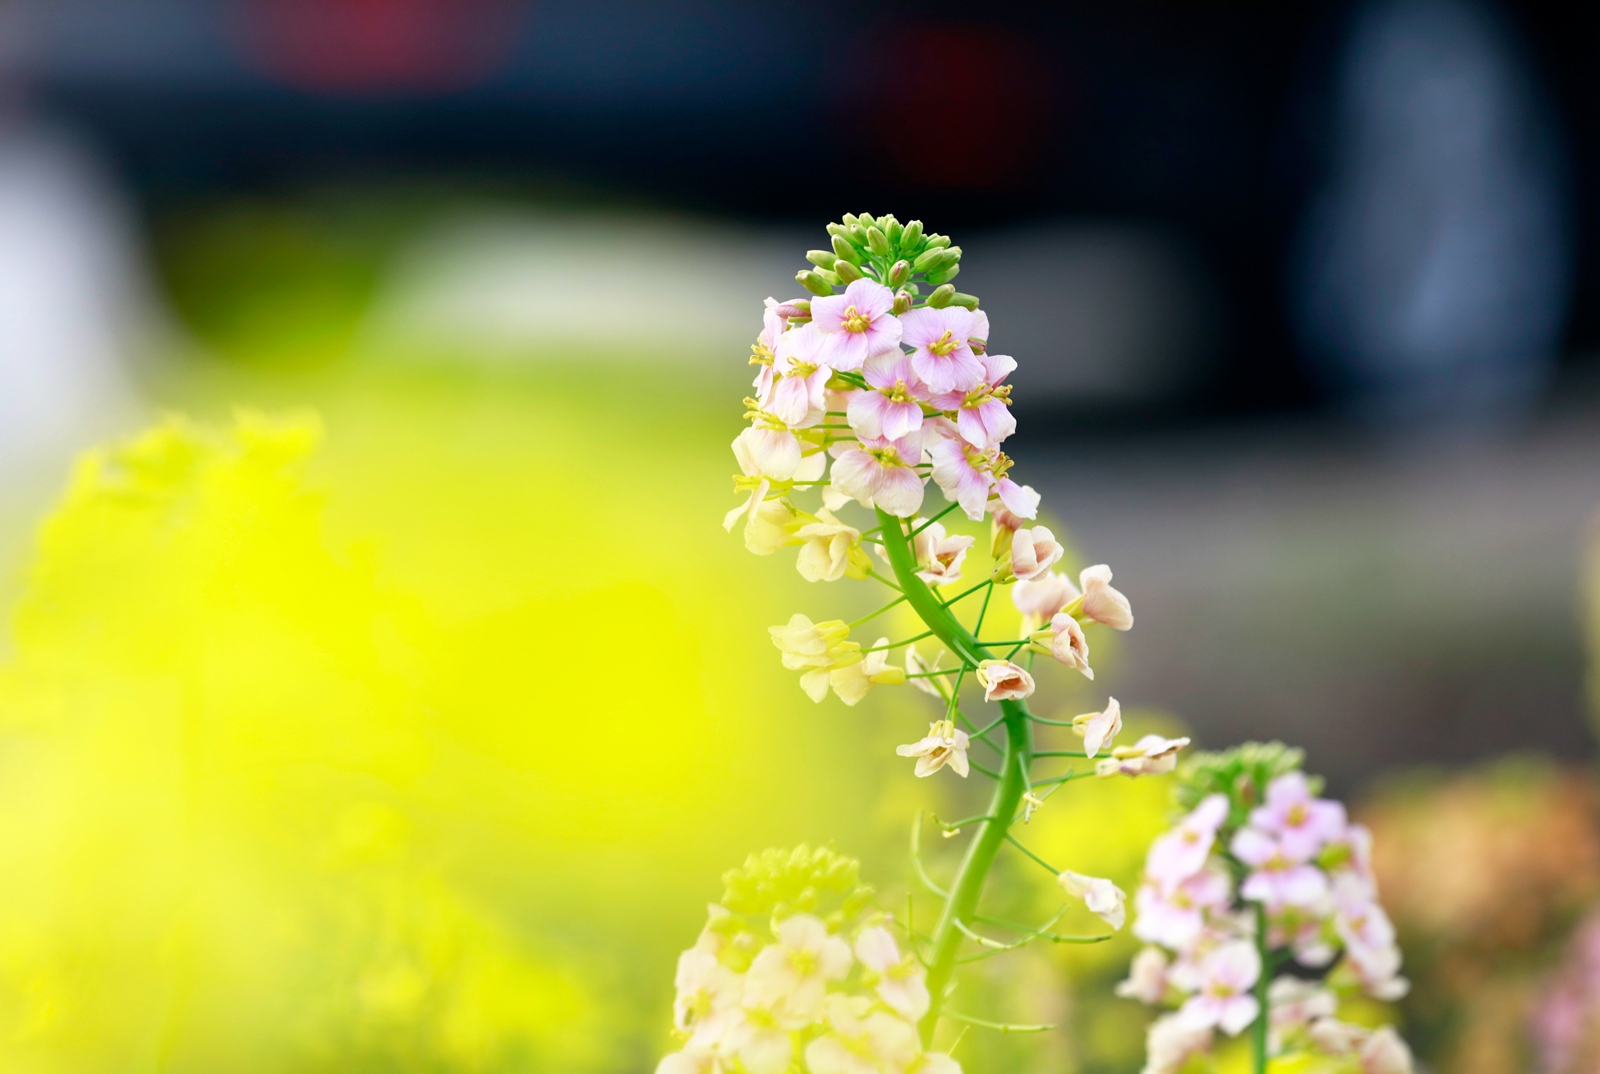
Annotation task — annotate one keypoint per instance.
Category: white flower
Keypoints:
(1147, 977)
(1003, 681)
(1227, 973)
(1152, 755)
(899, 981)
(771, 527)
(1171, 1041)
(830, 550)
(940, 557)
(1098, 729)
(705, 988)
(1040, 599)
(792, 974)
(852, 681)
(945, 744)
(1385, 1053)
(1102, 897)
(1034, 550)
(693, 1059)
(862, 1040)
(815, 648)
(1063, 639)
(1101, 603)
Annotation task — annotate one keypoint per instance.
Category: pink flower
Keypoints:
(939, 556)
(1003, 681)
(1098, 729)
(1101, 603)
(890, 408)
(772, 326)
(800, 378)
(1041, 598)
(789, 308)
(857, 324)
(1147, 976)
(1303, 823)
(1182, 852)
(1226, 976)
(959, 470)
(880, 474)
(1033, 552)
(1173, 916)
(1278, 880)
(1169, 1043)
(940, 353)
(984, 418)
(1064, 640)
(1102, 897)
(1020, 501)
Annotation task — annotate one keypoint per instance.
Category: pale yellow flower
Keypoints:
(944, 744)
(830, 550)
(852, 681)
(1098, 729)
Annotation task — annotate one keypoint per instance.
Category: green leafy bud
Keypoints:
(1242, 773)
(777, 882)
(865, 220)
(877, 241)
(846, 272)
(838, 231)
(849, 219)
(911, 239)
(965, 301)
(899, 273)
(945, 274)
(928, 260)
(813, 282)
(938, 242)
(941, 296)
(858, 235)
(822, 258)
(830, 277)
(953, 252)
(894, 230)
(845, 251)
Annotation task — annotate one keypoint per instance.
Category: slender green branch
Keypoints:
(1258, 1031)
(874, 574)
(1068, 778)
(898, 644)
(916, 860)
(957, 825)
(1009, 785)
(1014, 842)
(1052, 723)
(1059, 753)
(1003, 1027)
(982, 612)
(967, 592)
(931, 674)
(978, 937)
(880, 611)
(934, 519)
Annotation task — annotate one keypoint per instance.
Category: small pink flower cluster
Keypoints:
(1298, 867)
(1566, 1017)
(913, 381)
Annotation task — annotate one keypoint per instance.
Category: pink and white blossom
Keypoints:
(960, 470)
(1278, 880)
(1182, 852)
(1226, 976)
(881, 474)
(1152, 755)
(1101, 603)
(1302, 822)
(1173, 915)
(1103, 898)
(984, 417)
(898, 979)
(1147, 977)
(940, 353)
(1017, 505)
(1170, 1041)
(891, 407)
(1034, 550)
(1039, 599)
(1065, 641)
(800, 377)
(944, 744)
(939, 557)
(1099, 729)
(856, 325)
(1003, 681)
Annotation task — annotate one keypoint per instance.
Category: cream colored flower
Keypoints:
(1152, 755)
(705, 987)
(939, 556)
(1385, 1053)
(945, 744)
(852, 681)
(1033, 552)
(829, 550)
(1101, 896)
(791, 976)
(1170, 1041)
(1003, 681)
(861, 1040)
(815, 648)
(897, 978)
(1064, 640)
(1101, 603)
(1040, 599)
(772, 527)
(1098, 729)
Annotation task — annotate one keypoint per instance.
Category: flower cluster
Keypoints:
(1260, 909)
(776, 983)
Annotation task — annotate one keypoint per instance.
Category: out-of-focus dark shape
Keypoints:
(1483, 872)
(1434, 281)
(366, 46)
(1566, 1016)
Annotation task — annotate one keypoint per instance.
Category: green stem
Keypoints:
(1258, 1032)
(981, 851)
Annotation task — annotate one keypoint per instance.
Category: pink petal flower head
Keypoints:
(1039, 599)
(880, 474)
(1226, 976)
(940, 556)
(789, 308)
(1170, 1042)
(890, 408)
(857, 324)
(1102, 897)
(1278, 880)
(1003, 681)
(800, 378)
(1016, 506)
(945, 744)
(1101, 603)
(1174, 916)
(960, 471)
(1147, 976)
(1098, 729)
(1303, 823)
(1034, 550)
(1064, 640)
(1182, 852)
(762, 352)
(940, 353)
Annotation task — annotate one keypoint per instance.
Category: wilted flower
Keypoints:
(1034, 550)
(1003, 681)
(944, 744)
(1102, 897)
(1101, 603)
(1063, 640)
(1098, 729)
(1152, 755)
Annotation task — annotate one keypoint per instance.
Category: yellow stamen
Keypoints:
(855, 321)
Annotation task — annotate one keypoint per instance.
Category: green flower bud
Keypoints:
(838, 231)
(965, 301)
(858, 235)
(938, 242)
(945, 274)
(845, 252)
(865, 220)
(902, 302)
(813, 282)
(928, 261)
(941, 297)
(953, 252)
(847, 272)
(829, 277)
(899, 273)
(822, 258)
(894, 230)
(877, 241)
(911, 238)
(849, 219)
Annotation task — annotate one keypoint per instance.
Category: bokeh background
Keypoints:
(381, 693)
